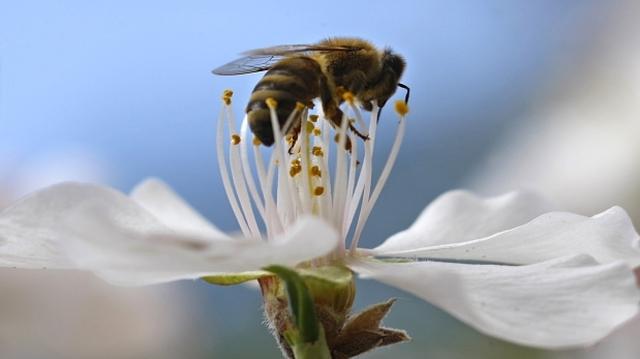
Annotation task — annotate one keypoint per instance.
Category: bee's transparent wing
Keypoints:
(263, 59)
(286, 50)
(248, 65)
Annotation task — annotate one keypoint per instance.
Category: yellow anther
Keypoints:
(235, 139)
(310, 127)
(402, 108)
(288, 138)
(256, 141)
(296, 167)
(226, 97)
(317, 151)
(300, 106)
(340, 91)
(317, 132)
(315, 171)
(318, 191)
(272, 103)
(348, 96)
(313, 118)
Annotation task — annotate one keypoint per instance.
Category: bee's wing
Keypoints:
(262, 59)
(248, 64)
(287, 50)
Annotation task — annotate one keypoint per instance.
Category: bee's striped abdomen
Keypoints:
(292, 80)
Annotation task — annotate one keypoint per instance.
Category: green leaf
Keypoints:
(235, 278)
(301, 303)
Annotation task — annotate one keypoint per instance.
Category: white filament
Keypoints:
(225, 178)
(347, 192)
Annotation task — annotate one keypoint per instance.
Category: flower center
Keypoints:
(312, 170)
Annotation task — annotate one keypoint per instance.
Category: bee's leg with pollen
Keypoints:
(329, 104)
(293, 129)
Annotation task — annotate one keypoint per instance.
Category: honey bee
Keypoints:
(301, 73)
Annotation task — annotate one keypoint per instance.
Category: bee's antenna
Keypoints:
(406, 97)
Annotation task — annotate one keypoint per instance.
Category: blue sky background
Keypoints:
(129, 82)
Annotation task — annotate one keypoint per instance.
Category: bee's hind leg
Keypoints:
(358, 133)
(292, 142)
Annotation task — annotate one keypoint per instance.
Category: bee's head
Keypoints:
(393, 64)
(392, 68)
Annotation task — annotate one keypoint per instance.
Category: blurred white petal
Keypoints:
(31, 230)
(607, 237)
(129, 255)
(92, 227)
(579, 142)
(460, 216)
(565, 302)
(159, 199)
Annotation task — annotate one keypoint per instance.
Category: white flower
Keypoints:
(566, 279)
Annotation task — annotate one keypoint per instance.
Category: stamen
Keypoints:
(304, 183)
(295, 168)
(348, 97)
(315, 171)
(307, 201)
(350, 183)
(266, 184)
(339, 191)
(401, 108)
(226, 97)
(317, 151)
(363, 187)
(310, 127)
(249, 175)
(238, 178)
(288, 202)
(367, 206)
(323, 162)
(271, 103)
(224, 174)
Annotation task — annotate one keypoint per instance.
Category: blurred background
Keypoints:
(505, 95)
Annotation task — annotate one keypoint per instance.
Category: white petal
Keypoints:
(31, 230)
(556, 304)
(96, 228)
(126, 254)
(459, 216)
(159, 199)
(608, 236)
